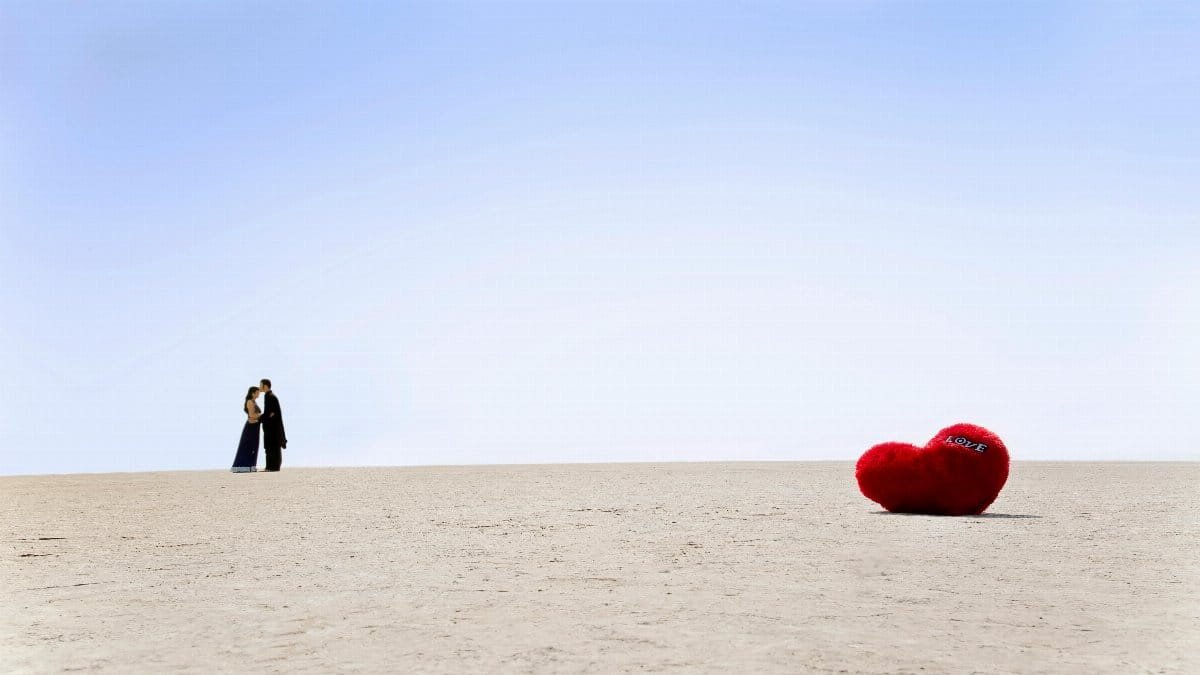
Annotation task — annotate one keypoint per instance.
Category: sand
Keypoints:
(729, 567)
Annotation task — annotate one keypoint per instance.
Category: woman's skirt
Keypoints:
(246, 459)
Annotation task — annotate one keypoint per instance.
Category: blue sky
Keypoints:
(560, 232)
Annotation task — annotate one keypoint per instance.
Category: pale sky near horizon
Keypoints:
(490, 232)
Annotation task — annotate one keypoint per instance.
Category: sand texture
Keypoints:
(735, 567)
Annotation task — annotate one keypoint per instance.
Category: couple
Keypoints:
(271, 420)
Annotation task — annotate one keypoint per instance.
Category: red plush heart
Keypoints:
(959, 472)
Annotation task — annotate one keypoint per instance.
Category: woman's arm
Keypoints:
(252, 410)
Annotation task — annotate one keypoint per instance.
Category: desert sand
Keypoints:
(717, 567)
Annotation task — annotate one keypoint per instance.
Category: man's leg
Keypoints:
(273, 458)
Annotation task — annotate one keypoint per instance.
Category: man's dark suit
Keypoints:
(274, 438)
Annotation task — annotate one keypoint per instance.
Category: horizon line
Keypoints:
(547, 464)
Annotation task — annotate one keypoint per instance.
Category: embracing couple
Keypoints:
(271, 421)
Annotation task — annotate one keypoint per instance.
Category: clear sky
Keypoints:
(558, 232)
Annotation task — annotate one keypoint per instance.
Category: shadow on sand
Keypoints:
(940, 515)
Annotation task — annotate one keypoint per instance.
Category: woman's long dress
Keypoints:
(246, 459)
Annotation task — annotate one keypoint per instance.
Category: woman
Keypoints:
(246, 459)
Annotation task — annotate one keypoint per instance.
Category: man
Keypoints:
(274, 438)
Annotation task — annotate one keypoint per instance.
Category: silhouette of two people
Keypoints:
(270, 421)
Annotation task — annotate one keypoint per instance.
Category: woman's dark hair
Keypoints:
(249, 395)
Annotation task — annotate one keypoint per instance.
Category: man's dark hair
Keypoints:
(265, 382)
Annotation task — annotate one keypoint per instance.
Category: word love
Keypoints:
(967, 443)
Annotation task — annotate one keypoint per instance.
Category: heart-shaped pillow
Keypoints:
(959, 472)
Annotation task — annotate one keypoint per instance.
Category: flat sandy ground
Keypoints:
(739, 567)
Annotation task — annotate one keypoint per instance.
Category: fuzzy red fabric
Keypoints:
(959, 472)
